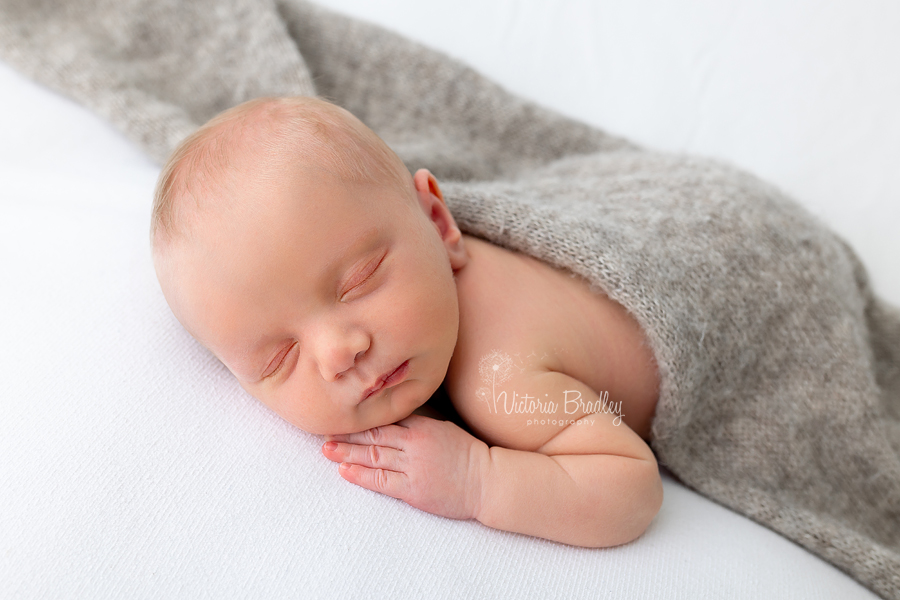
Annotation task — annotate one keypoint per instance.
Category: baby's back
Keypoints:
(538, 350)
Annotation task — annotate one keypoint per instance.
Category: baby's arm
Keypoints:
(594, 484)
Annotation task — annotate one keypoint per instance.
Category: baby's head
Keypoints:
(293, 243)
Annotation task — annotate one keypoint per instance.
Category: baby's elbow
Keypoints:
(649, 492)
(654, 494)
(640, 503)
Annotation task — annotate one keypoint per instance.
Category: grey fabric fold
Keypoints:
(156, 70)
(780, 369)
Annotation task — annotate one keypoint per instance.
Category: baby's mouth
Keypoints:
(387, 380)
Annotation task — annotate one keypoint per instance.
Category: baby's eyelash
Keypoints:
(368, 275)
(282, 361)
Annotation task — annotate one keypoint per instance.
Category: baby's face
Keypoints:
(318, 291)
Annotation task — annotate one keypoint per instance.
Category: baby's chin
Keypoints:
(344, 428)
(338, 430)
(416, 406)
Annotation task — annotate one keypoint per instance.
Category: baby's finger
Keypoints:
(372, 456)
(386, 435)
(383, 481)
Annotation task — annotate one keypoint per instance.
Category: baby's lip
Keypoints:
(390, 378)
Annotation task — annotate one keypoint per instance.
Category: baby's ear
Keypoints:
(426, 183)
(432, 202)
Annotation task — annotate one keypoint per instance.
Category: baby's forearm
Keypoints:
(592, 500)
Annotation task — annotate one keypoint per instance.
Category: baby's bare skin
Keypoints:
(553, 335)
(540, 319)
(311, 290)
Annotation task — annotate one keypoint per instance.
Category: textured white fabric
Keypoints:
(132, 465)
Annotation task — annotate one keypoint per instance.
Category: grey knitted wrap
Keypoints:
(780, 370)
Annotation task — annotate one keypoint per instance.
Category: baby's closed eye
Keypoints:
(363, 276)
(278, 362)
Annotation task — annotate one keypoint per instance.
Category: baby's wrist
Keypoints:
(480, 468)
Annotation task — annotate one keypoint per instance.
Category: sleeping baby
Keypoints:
(293, 243)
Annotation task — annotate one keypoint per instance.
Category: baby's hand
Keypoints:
(432, 465)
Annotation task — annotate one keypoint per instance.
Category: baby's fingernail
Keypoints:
(345, 466)
(330, 446)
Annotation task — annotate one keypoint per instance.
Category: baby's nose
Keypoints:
(342, 354)
(356, 360)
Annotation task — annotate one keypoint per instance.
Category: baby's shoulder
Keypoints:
(521, 318)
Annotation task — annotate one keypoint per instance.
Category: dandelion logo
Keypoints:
(495, 367)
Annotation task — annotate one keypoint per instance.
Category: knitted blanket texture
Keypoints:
(780, 370)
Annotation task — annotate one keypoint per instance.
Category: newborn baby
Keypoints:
(295, 245)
